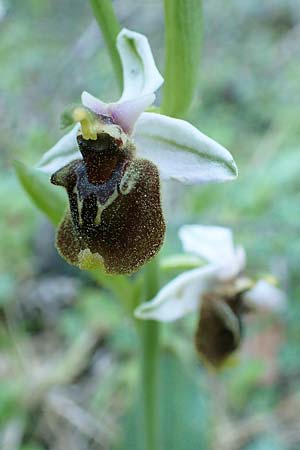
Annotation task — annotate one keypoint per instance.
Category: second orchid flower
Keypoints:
(219, 292)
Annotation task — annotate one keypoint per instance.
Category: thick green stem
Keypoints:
(183, 38)
(150, 360)
(110, 27)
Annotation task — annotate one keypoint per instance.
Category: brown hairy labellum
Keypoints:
(220, 328)
(115, 216)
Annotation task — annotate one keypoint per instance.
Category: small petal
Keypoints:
(126, 113)
(181, 152)
(215, 244)
(63, 152)
(140, 74)
(94, 104)
(264, 297)
(179, 297)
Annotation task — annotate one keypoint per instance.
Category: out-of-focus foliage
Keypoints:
(68, 373)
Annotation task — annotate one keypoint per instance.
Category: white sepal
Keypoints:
(180, 296)
(212, 243)
(63, 152)
(215, 244)
(140, 74)
(181, 152)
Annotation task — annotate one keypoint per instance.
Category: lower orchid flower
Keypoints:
(112, 163)
(218, 291)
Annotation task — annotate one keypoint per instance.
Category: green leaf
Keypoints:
(48, 198)
(184, 406)
(183, 22)
(184, 410)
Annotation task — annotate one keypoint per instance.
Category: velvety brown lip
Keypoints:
(101, 190)
(119, 226)
(102, 157)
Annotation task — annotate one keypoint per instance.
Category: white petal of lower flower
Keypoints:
(63, 152)
(179, 297)
(181, 152)
(140, 74)
(240, 259)
(210, 242)
(264, 297)
(234, 265)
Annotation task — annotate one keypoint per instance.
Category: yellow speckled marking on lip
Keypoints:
(88, 260)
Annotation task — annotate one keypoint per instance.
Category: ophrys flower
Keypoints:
(112, 162)
(219, 292)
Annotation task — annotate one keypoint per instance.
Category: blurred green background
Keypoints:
(68, 371)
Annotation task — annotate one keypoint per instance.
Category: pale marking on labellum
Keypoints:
(101, 208)
(79, 204)
(128, 181)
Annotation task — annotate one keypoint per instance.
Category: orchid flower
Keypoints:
(113, 160)
(218, 291)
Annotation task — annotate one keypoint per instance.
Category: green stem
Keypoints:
(150, 360)
(110, 27)
(183, 38)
